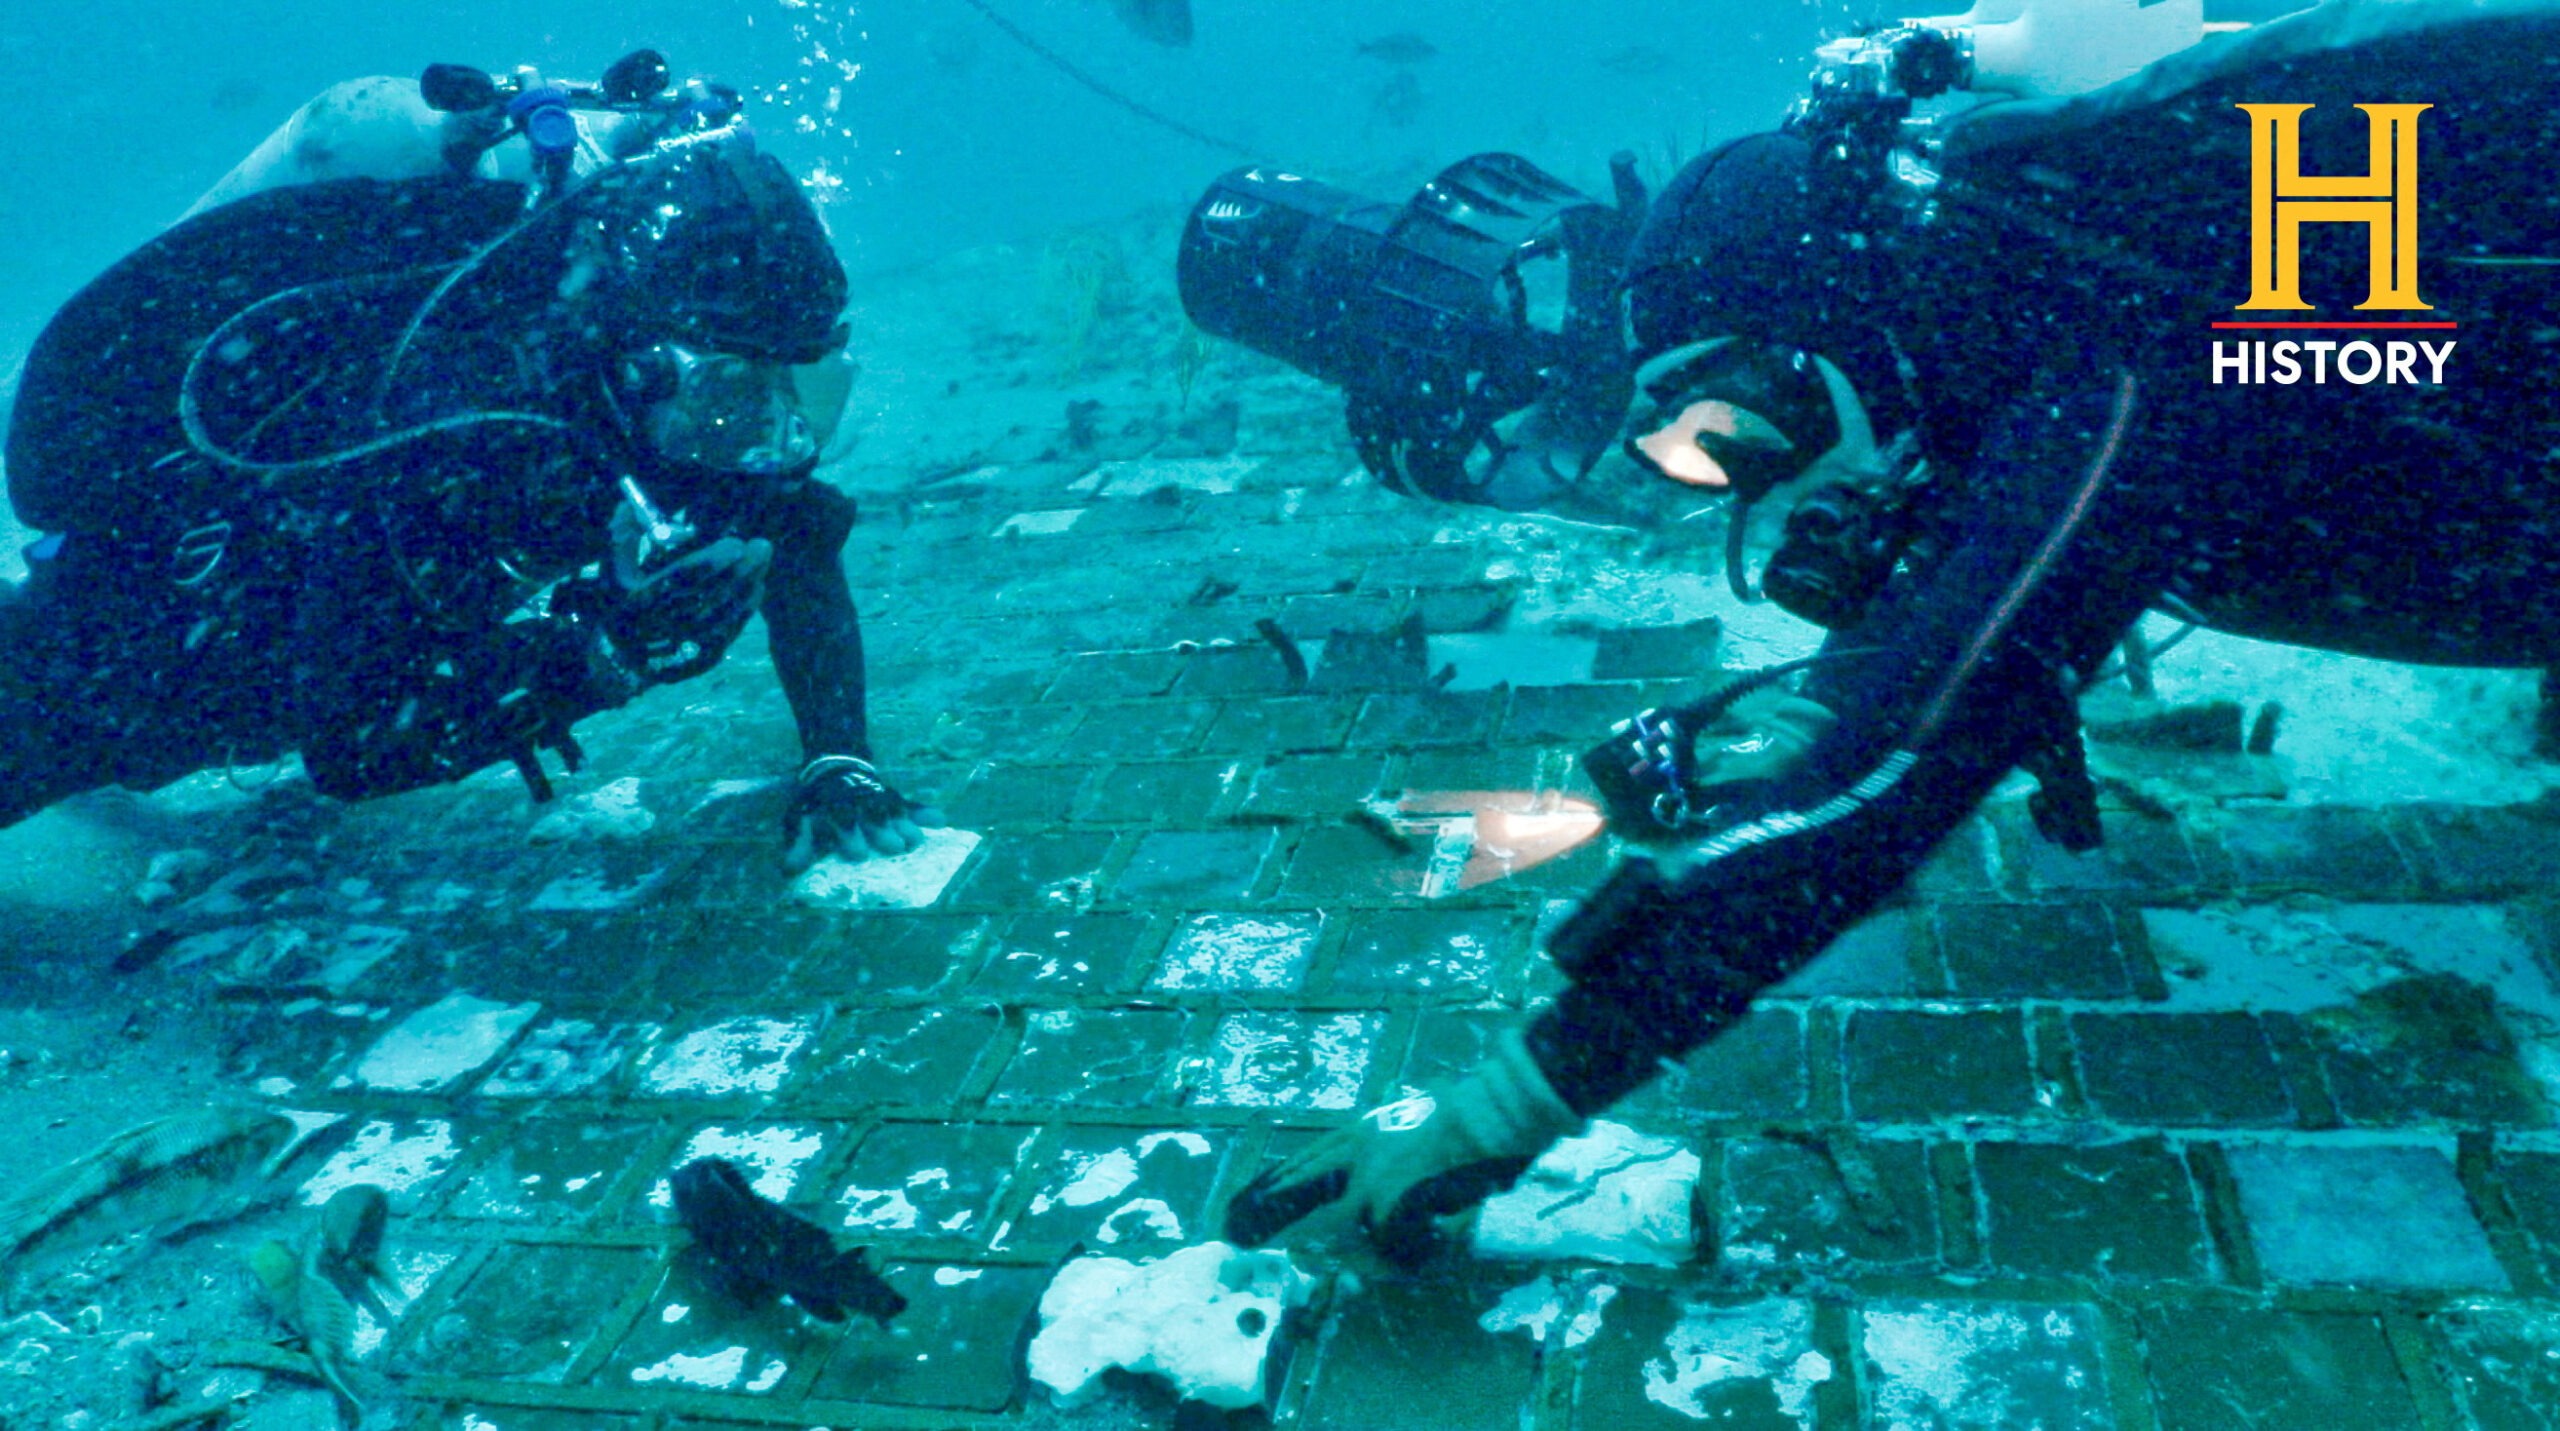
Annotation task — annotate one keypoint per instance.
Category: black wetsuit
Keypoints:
(368, 608)
(2053, 315)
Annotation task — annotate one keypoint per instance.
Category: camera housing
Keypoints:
(1493, 290)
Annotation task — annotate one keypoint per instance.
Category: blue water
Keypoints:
(949, 135)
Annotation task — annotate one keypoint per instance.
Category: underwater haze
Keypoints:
(927, 129)
(1028, 836)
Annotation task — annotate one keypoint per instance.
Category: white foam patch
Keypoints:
(1955, 1363)
(914, 880)
(1770, 1340)
(1092, 1178)
(612, 812)
(1192, 1143)
(440, 1045)
(382, 1155)
(741, 1055)
(1576, 1304)
(880, 1210)
(713, 1371)
(1611, 1195)
(772, 1158)
(1202, 1318)
(1265, 953)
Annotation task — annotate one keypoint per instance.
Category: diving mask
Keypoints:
(1763, 422)
(736, 414)
(1740, 416)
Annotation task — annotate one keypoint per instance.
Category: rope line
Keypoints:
(1068, 68)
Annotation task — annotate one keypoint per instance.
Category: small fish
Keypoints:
(163, 1174)
(1404, 47)
(313, 1310)
(315, 1291)
(1635, 62)
(346, 1246)
(1167, 22)
(765, 1248)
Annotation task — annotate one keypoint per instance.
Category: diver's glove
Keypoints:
(1400, 1167)
(1662, 777)
(842, 807)
(676, 621)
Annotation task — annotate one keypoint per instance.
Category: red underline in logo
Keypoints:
(2337, 326)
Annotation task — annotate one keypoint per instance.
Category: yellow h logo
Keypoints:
(2282, 199)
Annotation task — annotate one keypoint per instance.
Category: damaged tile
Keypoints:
(1988, 1363)
(929, 1179)
(1753, 1363)
(403, 1158)
(1116, 1058)
(1048, 523)
(2367, 1216)
(1610, 1195)
(551, 1170)
(914, 880)
(1283, 1060)
(605, 881)
(893, 1056)
(439, 1046)
(1234, 952)
(566, 1057)
(1119, 1187)
(741, 1055)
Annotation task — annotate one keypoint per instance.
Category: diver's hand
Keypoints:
(843, 808)
(1397, 1169)
(675, 622)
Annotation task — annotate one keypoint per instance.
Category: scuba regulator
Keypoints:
(1476, 320)
(545, 112)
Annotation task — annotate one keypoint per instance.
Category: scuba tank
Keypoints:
(2045, 49)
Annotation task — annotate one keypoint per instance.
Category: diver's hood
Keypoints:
(1752, 241)
(708, 241)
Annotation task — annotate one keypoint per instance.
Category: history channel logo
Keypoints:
(2282, 201)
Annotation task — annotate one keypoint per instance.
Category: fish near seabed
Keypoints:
(1167, 22)
(763, 1247)
(345, 1246)
(315, 1292)
(165, 1173)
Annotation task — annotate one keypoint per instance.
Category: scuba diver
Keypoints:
(1973, 385)
(464, 410)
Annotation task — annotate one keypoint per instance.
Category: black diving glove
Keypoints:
(843, 808)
